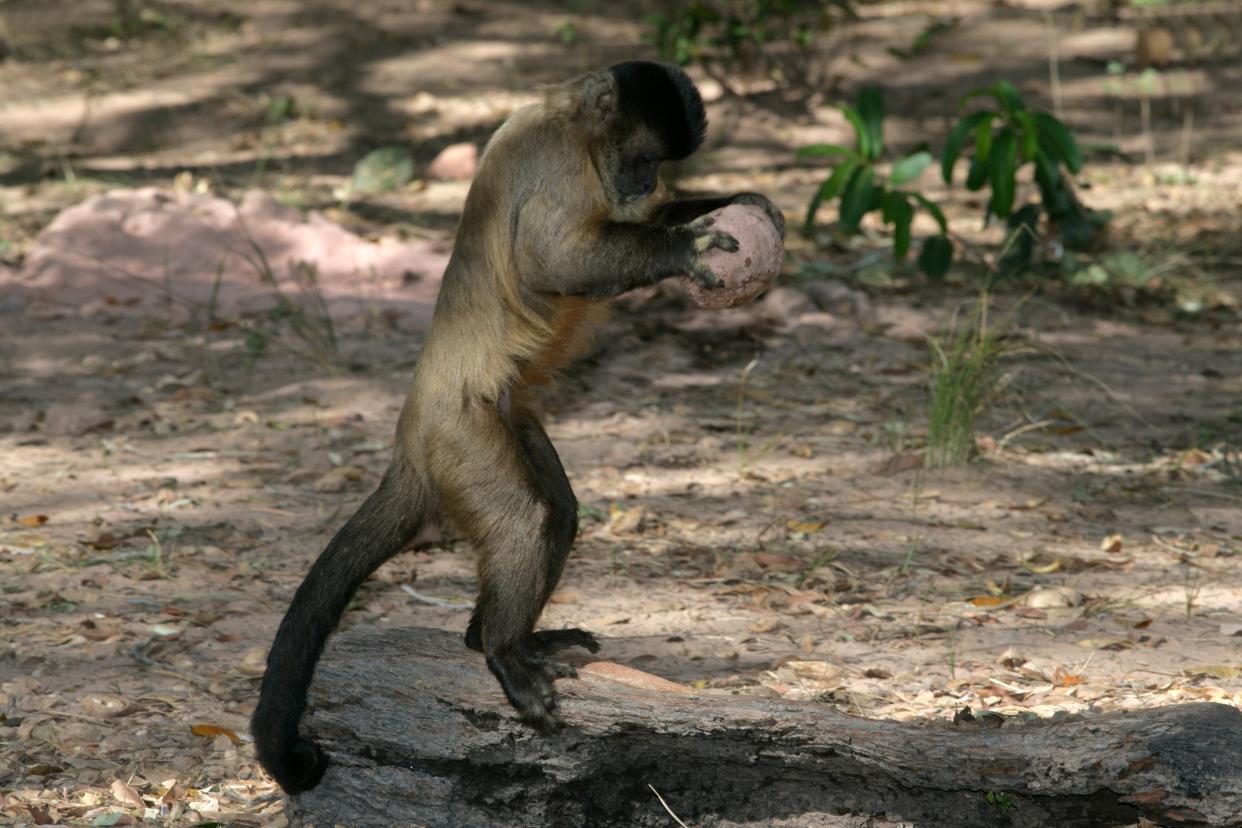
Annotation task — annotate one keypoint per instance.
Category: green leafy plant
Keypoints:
(1005, 139)
(383, 170)
(1000, 800)
(862, 187)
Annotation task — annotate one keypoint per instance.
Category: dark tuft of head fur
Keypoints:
(664, 98)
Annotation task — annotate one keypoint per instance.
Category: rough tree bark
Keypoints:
(419, 734)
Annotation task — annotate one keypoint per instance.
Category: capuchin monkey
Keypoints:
(566, 211)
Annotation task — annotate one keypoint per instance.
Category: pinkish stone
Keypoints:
(747, 272)
(456, 162)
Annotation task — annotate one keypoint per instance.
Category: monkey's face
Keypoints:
(636, 169)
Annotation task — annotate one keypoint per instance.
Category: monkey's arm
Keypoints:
(688, 209)
(612, 257)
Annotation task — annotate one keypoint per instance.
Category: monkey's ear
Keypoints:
(598, 105)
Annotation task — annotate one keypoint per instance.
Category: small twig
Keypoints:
(1000, 445)
(1188, 130)
(1207, 493)
(432, 600)
(676, 818)
(1149, 143)
(137, 654)
(1048, 350)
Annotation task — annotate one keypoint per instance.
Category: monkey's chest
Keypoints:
(572, 321)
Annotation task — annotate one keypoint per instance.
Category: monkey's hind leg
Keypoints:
(523, 545)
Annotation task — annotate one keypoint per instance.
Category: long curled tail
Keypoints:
(385, 523)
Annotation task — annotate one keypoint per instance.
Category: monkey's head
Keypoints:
(639, 114)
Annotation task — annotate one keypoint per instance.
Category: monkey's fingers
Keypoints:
(713, 240)
(764, 203)
(703, 274)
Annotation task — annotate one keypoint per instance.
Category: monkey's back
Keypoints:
(491, 333)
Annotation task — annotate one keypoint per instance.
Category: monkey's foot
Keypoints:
(553, 641)
(527, 682)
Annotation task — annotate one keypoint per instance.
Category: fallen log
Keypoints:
(420, 734)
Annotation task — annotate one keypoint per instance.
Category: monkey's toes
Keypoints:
(551, 641)
(543, 721)
(536, 702)
(559, 669)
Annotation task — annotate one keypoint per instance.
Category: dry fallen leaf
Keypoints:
(338, 479)
(170, 791)
(779, 563)
(806, 527)
(105, 540)
(212, 731)
(1061, 678)
(1112, 543)
(622, 521)
(801, 450)
(1105, 643)
(898, 463)
(765, 624)
(820, 671)
(100, 630)
(104, 705)
(1053, 598)
(126, 795)
(253, 662)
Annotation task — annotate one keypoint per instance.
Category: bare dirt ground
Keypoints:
(755, 517)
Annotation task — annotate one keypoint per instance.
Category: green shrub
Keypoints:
(1001, 140)
(862, 188)
(1004, 140)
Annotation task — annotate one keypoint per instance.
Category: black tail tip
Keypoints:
(297, 768)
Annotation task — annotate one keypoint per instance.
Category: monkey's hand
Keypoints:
(764, 203)
(705, 239)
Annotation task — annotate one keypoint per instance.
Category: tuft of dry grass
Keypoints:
(964, 374)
